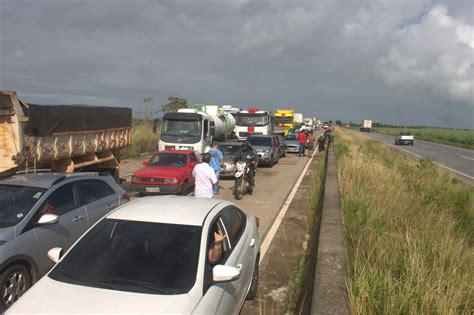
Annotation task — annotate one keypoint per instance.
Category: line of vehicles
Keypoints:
(61, 206)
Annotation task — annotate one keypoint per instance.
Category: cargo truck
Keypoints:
(195, 128)
(252, 122)
(366, 126)
(298, 119)
(63, 138)
(283, 121)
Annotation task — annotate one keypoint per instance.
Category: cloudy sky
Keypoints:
(396, 61)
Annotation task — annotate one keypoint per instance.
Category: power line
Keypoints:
(89, 85)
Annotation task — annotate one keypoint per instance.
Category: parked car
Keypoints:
(405, 138)
(151, 255)
(44, 210)
(292, 144)
(267, 149)
(229, 151)
(281, 145)
(167, 172)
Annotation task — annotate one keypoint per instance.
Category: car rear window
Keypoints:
(133, 256)
(16, 202)
(260, 141)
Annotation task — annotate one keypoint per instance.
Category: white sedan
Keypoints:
(153, 255)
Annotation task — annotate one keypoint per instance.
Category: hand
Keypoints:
(218, 237)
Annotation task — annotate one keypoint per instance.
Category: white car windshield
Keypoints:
(133, 256)
(16, 202)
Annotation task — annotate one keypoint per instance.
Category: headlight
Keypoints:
(171, 180)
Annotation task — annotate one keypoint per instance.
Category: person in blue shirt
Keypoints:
(216, 162)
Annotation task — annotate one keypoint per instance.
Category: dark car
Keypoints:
(229, 151)
(281, 145)
(267, 149)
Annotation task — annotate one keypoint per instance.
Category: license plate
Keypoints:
(152, 189)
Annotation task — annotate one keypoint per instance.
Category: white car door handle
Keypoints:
(252, 242)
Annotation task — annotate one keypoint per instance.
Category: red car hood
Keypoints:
(160, 172)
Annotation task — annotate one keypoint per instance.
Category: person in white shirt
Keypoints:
(204, 178)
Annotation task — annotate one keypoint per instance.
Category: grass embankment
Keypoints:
(460, 138)
(299, 286)
(409, 232)
(143, 139)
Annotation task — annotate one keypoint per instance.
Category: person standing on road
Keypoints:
(311, 143)
(217, 161)
(331, 130)
(302, 143)
(204, 178)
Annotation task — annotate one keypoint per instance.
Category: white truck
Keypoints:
(230, 109)
(366, 125)
(309, 124)
(195, 128)
(253, 122)
(63, 138)
(299, 119)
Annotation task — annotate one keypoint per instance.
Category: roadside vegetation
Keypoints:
(460, 138)
(143, 139)
(409, 231)
(300, 286)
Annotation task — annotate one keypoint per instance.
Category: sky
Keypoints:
(408, 62)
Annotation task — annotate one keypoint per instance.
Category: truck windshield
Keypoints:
(283, 120)
(252, 119)
(260, 141)
(134, 256)
(16, 202)
(192, 128)
(168, 159)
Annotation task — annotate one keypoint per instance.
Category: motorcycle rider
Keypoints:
(248, 156)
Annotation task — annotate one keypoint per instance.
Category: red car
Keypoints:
(167, 172)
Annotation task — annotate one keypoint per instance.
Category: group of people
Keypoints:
(306, 139)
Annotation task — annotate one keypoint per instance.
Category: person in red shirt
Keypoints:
(302, 142)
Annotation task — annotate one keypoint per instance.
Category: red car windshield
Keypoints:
(168, 159)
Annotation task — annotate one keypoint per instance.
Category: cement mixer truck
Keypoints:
(63, 138)
(195, 128)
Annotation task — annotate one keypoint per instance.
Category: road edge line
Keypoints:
(281, 214)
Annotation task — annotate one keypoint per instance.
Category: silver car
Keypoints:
(153, 255)
(42, 210)
(229, 151)
(267, 149)
(292, 144)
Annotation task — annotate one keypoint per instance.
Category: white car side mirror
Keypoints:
(48, 218)
(222, 273)
(55, 254)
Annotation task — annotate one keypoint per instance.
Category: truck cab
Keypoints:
(283, 121)
(252, 122)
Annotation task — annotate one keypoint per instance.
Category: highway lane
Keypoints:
(456, 159)
(273, 185)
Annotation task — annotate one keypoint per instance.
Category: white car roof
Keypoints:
(166, 209)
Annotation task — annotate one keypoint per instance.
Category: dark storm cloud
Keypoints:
(396, 61)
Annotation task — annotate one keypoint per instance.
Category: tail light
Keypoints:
(125, 196)
(257, 220)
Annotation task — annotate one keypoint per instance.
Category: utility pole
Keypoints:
(148, 110)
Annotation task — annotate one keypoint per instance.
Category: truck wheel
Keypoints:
(14, 282)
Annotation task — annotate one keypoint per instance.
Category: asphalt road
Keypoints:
(273, 185)
(455, 159)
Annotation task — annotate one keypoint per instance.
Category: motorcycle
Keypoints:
(241, 178)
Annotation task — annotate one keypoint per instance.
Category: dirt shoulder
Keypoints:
(284, 253)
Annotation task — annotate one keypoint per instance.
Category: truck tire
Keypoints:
(14, 282)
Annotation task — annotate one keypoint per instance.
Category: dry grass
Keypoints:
(143, 139)
(409, 232)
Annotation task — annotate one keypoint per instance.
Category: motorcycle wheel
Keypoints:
(238, 192)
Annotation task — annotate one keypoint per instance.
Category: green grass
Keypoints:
(409, 232)
(460, 138)
(143, 139)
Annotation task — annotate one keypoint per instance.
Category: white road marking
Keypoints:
(425, 146)
(276, 224)
(466, 157)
